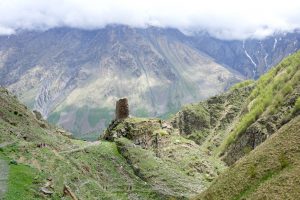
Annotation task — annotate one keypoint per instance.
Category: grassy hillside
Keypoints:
(271, 171)
(140, 159)
(208, 123)
(262, 116)
(270, 105)
(243, 144)
(159, 155)
(40, 158)
(234, 123)
(226, 128)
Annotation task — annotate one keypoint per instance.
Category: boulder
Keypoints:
(38, 115)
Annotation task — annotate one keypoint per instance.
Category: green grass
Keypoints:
(22, 183)
(167, 178)
(160, 132)
(271, 171)
(251, 188)
(110, 170)
(92, 171)
(279, 81)
(199, 112)
(242, 84)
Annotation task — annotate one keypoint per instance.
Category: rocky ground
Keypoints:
(3, 177)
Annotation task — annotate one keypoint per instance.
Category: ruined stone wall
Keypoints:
(122, 109)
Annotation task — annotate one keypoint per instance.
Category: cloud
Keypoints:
(231, 19)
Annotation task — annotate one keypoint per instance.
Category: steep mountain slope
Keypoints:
(269, 106)
(46, 164)
(254, 128)
(271, 171)
(73, 76)
(139, 162)
(226, 128)
(141, 158)
(163, 158)
(239, 120)
(251, 57)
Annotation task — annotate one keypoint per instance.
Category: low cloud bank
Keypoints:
(231, 19)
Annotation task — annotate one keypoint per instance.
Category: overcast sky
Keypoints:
(231, 19)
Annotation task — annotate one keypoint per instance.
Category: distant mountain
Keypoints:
(73, 77)
(250, 57)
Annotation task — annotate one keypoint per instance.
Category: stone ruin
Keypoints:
(122, 109)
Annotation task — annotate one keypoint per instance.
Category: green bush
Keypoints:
(287, 89)
(297, 105)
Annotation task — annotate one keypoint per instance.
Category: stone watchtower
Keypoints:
(122, 109)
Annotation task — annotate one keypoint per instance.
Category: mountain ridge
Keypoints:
(73, 77)
(142, 158)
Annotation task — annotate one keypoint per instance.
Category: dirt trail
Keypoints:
(4, 168)
(89, 144)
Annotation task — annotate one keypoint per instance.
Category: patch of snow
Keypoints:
(247, 54)
(265, 59)
(275, 43)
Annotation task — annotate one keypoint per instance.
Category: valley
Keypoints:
(74, 76)
(149, 100)
(241, 144)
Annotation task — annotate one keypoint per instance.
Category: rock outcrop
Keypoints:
(38, 115)
(262, 129)
(139, 130)
(207, 121)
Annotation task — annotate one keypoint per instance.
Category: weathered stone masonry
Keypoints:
(122, 109)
